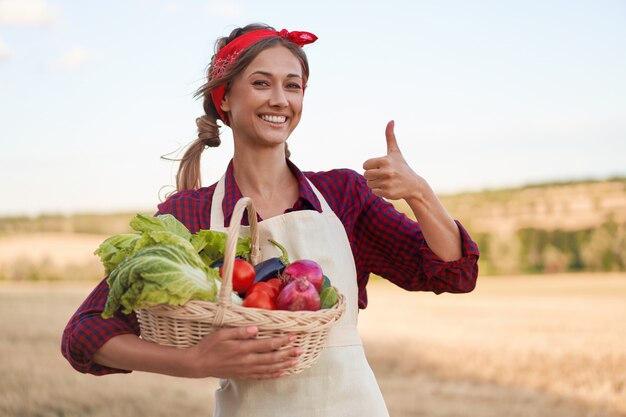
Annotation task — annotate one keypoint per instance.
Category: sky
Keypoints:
(484, 94)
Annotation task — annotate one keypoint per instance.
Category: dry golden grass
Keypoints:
(516, 346)
(522, 346)
(50, 256)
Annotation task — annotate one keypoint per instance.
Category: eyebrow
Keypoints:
(269, 74)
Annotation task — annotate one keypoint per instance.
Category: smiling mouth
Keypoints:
(273, 119)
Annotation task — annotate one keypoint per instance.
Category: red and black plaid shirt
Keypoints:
(384, 242)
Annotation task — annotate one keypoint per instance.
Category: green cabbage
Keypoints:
(163, 263)
(159, 274)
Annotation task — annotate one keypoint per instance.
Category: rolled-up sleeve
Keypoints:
(391, 245)
(87, 331)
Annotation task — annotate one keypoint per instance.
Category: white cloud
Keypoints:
(72, 59)
(224, 8)
(27, 13)
(5, 52)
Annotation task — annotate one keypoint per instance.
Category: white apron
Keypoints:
(340, 383)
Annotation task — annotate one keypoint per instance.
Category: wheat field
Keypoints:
(516, 346)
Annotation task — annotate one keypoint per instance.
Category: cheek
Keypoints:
(297, 106)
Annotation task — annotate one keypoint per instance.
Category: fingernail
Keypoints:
(251, 329)
(292, 337)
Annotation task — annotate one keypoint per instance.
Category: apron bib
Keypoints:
(340, 383)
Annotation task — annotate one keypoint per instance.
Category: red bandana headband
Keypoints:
(229, 53)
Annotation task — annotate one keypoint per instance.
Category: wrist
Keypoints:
(420, 197)
(187, 360)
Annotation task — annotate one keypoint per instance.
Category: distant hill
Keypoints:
(88, 223)
(555, 227)
(564, 206)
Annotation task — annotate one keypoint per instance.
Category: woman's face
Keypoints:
(264, 103)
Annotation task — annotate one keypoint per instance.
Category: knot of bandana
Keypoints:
(229, 53)
(299, 38)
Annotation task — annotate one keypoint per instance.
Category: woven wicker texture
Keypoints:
(184, 326)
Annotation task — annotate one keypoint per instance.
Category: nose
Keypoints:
(278, 97)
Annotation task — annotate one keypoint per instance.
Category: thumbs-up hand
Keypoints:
(390, 176)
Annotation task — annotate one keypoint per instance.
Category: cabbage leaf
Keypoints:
(115, 249)
(211, 245)
(162, 222)
(159, 274)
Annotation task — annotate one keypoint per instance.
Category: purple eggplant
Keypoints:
(273, 267)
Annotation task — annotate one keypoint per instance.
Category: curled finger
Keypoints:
(270, 344)
(279, 356)
(277, 366)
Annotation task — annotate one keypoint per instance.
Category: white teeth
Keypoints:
(273, 119)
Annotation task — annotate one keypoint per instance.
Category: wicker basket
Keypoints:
(184, 326)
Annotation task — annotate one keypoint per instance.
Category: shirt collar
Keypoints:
(307, 200)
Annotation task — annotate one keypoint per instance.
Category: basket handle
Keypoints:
(231, 245)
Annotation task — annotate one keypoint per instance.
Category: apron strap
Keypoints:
(325, 207)
(217, 213)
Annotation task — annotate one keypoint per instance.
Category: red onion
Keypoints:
(298, 294)
(304, 268)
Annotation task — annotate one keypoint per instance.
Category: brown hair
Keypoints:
(188, 176)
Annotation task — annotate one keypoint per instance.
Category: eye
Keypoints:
(294, 86)
(260, 83)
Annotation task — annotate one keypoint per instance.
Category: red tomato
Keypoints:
(264, 287)
(259, 299)
(243, 275)
(276, 283)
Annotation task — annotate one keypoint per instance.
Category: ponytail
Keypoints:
(189, 173)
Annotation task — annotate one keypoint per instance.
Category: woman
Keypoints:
(256, 85)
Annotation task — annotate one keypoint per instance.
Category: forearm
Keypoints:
(129, 352)
(226, 353)
(439, 229)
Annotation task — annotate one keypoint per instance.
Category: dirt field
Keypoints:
(51, 255)
(526, 346)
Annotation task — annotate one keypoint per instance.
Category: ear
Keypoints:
(225, 104)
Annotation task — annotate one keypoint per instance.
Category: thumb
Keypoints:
(392, 145)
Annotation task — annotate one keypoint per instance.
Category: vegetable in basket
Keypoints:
(328, 297)
(159, 274)
(273, 267)
(163, 262)
(259, 299)
(298, 294)
(211, 244)
(243, 275)
(305, 268)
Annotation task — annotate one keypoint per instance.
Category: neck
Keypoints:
(262, 173)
